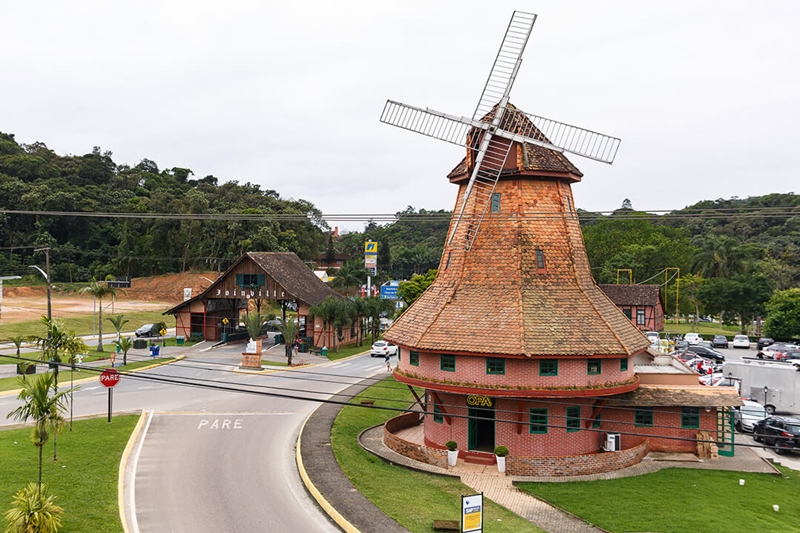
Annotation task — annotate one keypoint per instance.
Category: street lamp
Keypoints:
(766, 391)
(47, 279)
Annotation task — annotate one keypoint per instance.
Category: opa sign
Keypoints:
(479, 401)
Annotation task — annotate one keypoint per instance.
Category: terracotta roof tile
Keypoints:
(633, 294)
(665, 395)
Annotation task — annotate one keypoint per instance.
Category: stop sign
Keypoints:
(109, 377)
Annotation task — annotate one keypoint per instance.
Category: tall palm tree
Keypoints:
(118, 321)
(99, 291)
(44, 405)
(289, 329)
(720, 256)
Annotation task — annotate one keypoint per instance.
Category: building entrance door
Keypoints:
(481, 429)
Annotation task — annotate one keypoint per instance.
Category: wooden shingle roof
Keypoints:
(633, 294)
(293, 275)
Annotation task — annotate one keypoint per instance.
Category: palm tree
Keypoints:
(720, 257)
(99, 291)
(289, 329)
(55, 341)
(33, 509)
(17, 340)
(335, 314)
(125, 344)
(377, 308)
(118, 321)
(43, 404)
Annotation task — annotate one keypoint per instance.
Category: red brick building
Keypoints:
(640, 303)
(514, 344)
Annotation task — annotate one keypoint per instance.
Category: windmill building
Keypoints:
(514, 344)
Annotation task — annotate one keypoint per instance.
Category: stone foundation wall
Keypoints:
(412, 450)
(575, 465)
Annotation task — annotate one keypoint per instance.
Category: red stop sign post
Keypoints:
(109, 379)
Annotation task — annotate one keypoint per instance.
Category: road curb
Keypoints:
(312, 489)
(123, 465)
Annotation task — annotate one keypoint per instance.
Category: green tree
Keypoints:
(289, 328)
(783, 315)
(351, 276)
(99, 291)
(118, 321)
(410, 290)
(719, 257)
(125, 344)
(44, 405)
(377, 308)
(33, 511)
(335, 313)
(743, 295)
(17, 342)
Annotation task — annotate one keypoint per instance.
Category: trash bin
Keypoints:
(119, 350)
(279, 338)
(179, 340)
(52, 365)
(154, 350)
(26, 368)
(224, 336)
(324, 351)
(139, 344)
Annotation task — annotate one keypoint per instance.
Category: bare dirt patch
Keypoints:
(154, 293)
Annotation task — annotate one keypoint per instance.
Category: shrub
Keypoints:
(451, 445)
(501, 451)
(33, 511)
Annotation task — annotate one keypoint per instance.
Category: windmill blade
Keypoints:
(427, 122)
(567, 138)
(506, 64)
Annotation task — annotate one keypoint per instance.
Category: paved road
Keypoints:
(222, 461)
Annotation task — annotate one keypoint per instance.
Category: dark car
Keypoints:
(763, 342)
(148, 330)
(780, 432)
(719, 341)
(706, 353)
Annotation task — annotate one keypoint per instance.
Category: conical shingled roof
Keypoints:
(531, 157)
(494, 298)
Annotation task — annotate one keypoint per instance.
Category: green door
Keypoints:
(725, 433)
(472, 430)
(480, 430)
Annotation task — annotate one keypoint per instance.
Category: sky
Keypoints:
(704, 95)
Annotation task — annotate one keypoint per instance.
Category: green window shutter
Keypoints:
(573, 418)
(240, 280)
(260, 280)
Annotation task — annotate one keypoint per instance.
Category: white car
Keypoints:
(692, 338)
(382, 348)
(741, 341)
(652, 336)
(746, 416)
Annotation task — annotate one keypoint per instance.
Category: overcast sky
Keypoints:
(288, 95)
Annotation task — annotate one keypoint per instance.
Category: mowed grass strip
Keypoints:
(677, 500)
(86, 324)
(413, 499)
(84, 478)
(12, 383)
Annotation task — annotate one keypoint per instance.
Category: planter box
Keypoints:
(251, 360)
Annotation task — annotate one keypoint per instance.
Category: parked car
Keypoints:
(652, 336)
(791, 357)
(703, 366)
(148, 330)
(778, 350)
(742, 341)
(681, 345)
(719, 341)
(692, 338)
(780, 432)
(763, 342)
(706, 353)
(748, 415)
(382, 348)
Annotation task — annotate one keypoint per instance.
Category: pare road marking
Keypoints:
(223, 423)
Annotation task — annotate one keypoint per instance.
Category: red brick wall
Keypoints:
(666, 423)
(471, 371)
(575, 465)
(409, 449)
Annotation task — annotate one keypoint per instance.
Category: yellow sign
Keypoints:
(162, 332)
(472, 513)
(480, 401)
(370, 247)
(225, 321)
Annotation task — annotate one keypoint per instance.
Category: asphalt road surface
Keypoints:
(221, 461)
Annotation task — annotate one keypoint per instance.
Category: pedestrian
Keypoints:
(295, 345)
(388, 364)
(760, 355)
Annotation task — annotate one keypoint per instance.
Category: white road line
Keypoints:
(134, 521)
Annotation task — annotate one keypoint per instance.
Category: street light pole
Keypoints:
(47, 279)
(766, 391)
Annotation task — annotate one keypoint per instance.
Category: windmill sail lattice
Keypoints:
(493, 129)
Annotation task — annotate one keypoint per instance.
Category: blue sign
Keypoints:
(389, 292)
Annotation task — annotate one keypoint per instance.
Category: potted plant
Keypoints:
(500, 452)
(251, 357)
(452, 452)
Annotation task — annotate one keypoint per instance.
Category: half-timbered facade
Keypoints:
(640, 303)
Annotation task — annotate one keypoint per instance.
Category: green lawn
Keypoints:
(678, 500)
(706, 329)
(347, 351)
(84, 478)
(12, 383)
(85, 324)
(432, 498)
